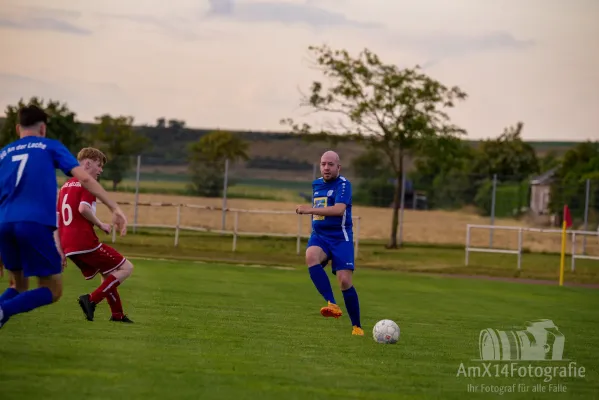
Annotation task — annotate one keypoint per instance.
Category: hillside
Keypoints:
(281, 155)
(272, 155)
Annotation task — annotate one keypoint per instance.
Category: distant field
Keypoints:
(428, 227)
(510, 197)
(245, 189)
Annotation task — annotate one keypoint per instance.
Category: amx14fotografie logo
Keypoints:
(502, 353)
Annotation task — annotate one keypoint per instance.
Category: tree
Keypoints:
(376, 186)
(508, 156)
(569, 184)
(387, 108)
(444, 171)
(176, 124)
(549, 161)
(207, 161)
(62, 124)
(513, 161)
(116, 137)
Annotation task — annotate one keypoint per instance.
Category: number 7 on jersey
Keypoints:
(22, 159)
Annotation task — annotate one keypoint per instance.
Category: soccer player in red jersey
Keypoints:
(79, 242)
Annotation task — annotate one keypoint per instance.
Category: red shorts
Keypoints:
(104, 260)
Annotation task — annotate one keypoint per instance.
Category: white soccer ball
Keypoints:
(386, 331)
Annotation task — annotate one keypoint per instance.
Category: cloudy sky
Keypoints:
(240, 64)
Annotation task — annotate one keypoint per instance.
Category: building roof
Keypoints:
(544, 178)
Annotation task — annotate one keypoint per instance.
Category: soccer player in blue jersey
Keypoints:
(28, 219)
(332, 239)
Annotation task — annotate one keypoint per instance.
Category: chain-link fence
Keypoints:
(435, 210)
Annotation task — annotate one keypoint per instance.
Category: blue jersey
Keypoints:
(28, 185)
(327, 194)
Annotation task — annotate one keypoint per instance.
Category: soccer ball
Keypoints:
(386, 331)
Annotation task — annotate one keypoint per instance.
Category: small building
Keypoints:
(540, 192)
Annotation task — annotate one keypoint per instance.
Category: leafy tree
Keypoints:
(176, 124)
(569, 184)
(62, 124)
(549, 161)
(116, 137)
(207, 161)
(387, 108)
(443, 169)
(508, 156)
(376, 186)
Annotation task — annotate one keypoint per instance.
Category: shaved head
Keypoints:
(329, 165)
(330, 155)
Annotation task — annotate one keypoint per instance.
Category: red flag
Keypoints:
(567, 216)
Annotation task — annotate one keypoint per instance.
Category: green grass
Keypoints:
(510, 199)
(371, 254)
(208, 331)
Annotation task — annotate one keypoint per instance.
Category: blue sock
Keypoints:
(26, 302)
(322, 283)
(8, 294)
(350, 296)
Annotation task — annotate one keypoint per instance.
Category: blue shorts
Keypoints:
(340, 252)
(30, 247)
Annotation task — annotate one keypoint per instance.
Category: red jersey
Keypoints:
(77, 235)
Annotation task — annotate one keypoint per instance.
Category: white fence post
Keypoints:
(137, 172)
(299, 233)
(181, 226)
(520, 248)
(178, 226)
(573, 256)
(235, 229)
(467, 244)
(521, 230)
(357, 238)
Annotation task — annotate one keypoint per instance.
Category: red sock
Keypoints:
(102, 291)
(114, 301)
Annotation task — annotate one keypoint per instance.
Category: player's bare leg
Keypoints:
(17, 283)
(344, 277)
(315, 257)
(109, 284)
(54, 283)
(49, 291)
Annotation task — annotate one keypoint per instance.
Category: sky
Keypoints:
(241, 64)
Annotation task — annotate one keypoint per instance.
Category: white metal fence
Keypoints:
(236, 232)
(518, 251)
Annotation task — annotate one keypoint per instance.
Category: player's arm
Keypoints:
(88, 214)
(88, 182)
(94, 187)
(68, 164)
(342, 199)
(336, 210)
(58, 244)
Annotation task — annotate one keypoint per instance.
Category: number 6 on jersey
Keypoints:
(65, 208)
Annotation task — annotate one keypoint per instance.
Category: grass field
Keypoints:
(425, 227)
(214, 331)
(371, 255)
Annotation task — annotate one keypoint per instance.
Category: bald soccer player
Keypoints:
(332, 239)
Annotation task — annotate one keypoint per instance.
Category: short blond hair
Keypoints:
(93, 154)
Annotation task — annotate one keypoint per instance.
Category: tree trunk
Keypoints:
(114, 184)
(393, 243)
